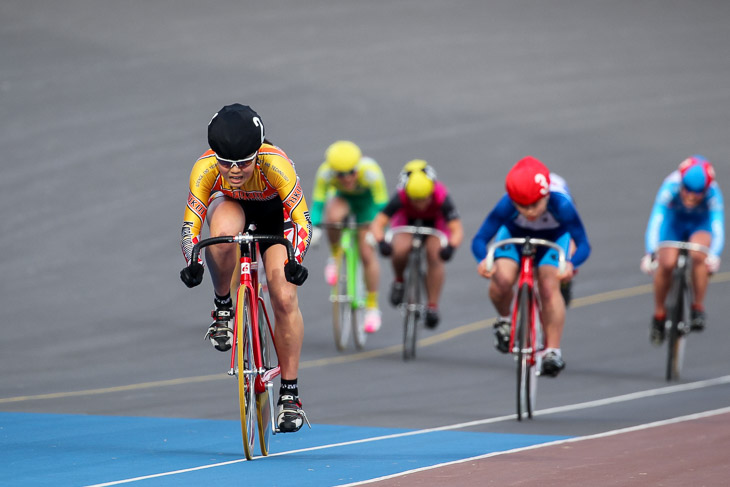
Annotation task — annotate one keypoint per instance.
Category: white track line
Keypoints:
(560, 409)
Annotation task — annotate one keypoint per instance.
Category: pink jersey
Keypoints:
(439, 212)
(434, 209)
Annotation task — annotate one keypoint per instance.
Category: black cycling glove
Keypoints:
(192, 275)
(385, 248)
(295, 273)
(447, 253)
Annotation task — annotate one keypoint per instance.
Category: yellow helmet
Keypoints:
(343, 155)
(419, 185)
(414, 165)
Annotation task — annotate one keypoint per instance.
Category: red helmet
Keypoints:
(527, 181)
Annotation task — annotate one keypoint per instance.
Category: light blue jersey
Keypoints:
(671, 220)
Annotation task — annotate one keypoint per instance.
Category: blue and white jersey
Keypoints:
(669, 213)
(560, 217)
(557, 183)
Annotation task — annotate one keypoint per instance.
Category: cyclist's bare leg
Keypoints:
(501, 285)
(289, 325)
(401, 246)
(370, 261)
(666, 261)
(436, 270)
(336, 211)
(553, 305)
(225, 217)
(700, 275)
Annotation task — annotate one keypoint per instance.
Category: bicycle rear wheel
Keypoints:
(341, 305)
(676, 338)
(245, 364)
(412, 311)
(525, 365)
(263, 399)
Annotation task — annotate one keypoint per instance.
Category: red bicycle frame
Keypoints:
(527, 277)
(250, 280)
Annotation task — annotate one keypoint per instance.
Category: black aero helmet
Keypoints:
(235, 132)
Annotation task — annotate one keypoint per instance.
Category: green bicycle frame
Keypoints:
(350, 246)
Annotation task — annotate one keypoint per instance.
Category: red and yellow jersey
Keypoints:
(274, 177)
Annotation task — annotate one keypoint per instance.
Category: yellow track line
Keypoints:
(354, 357)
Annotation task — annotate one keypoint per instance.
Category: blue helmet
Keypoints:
(697, 174)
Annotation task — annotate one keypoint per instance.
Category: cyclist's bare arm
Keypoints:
(456, 232)
(377, 227)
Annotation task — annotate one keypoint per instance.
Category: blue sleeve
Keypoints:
(496, 218)
(717, 219)
(658, 214)
(574, 226)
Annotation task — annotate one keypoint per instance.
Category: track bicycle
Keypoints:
(348, 294)
(677, 326)
(253, 352)
(526, 336)
(413, 306)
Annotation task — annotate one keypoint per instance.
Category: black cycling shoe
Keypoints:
(656, 333)
(397, 290)
(697, 320)
(566, 289)
(552, 364)
(501, 335)
(220, 332)
(432, 318)
(290, 416)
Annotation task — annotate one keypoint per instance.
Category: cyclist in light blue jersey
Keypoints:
(688, 207)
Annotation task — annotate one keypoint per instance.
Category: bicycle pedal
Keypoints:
(306, 419)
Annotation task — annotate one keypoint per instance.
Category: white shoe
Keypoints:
(330, 271)
(372, 320)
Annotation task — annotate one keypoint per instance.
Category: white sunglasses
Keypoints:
(227, 163)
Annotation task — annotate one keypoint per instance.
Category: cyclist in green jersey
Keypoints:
(348, 182)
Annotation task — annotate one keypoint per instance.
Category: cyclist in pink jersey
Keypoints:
(419, 197)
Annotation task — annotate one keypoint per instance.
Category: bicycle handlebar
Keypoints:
(417, 230)
(676, 244)
(522, 240)
(242, 239)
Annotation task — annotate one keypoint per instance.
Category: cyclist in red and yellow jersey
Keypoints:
(244, 179)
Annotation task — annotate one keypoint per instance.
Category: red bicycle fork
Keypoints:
(527, 276)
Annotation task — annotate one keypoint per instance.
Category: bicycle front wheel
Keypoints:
(358, 308)
(263, 399)
(676, 335)
(412, 311)
(341, 305)
(525, 364)
(245, 366)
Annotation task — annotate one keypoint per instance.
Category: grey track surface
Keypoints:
(105, 105)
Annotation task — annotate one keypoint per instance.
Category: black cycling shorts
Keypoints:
(268, 217)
